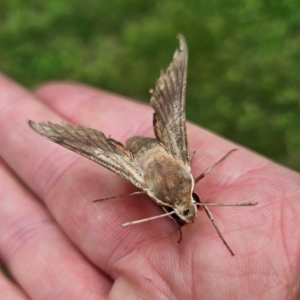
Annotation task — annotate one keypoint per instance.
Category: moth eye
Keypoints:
(196, 198)
(186, 212)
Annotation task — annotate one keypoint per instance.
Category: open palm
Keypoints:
(58, 244)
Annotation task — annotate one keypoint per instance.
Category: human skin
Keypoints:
(57, 244)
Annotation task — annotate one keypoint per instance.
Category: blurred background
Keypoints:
(244, 58)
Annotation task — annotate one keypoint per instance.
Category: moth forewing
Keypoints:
(95, 146)
(168, 102)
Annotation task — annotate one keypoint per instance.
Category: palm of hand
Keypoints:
(95, 256)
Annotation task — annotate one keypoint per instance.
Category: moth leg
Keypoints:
(168, 210)
(211, 167)
(179, 229)
(211, 217)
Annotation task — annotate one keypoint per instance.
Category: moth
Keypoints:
(159, 167)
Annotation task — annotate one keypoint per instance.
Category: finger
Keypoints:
(9, 290)
(82, 105)
(101, 109)
(79, 103)
(69, 183)
(37, 254)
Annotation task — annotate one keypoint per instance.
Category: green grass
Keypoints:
(244, 62)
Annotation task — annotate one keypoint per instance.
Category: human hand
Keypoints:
(58, 244)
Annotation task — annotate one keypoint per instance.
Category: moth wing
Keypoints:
(95, 146)
(168, 102)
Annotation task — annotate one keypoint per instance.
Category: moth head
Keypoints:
(186, 211)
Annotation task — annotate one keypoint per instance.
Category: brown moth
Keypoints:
(159, 166)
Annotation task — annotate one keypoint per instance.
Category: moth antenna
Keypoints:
(228, 204)
(120, 196)
(146, 220)
(211, 217)
(211, 167)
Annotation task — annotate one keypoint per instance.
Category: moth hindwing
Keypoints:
(159, 167)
